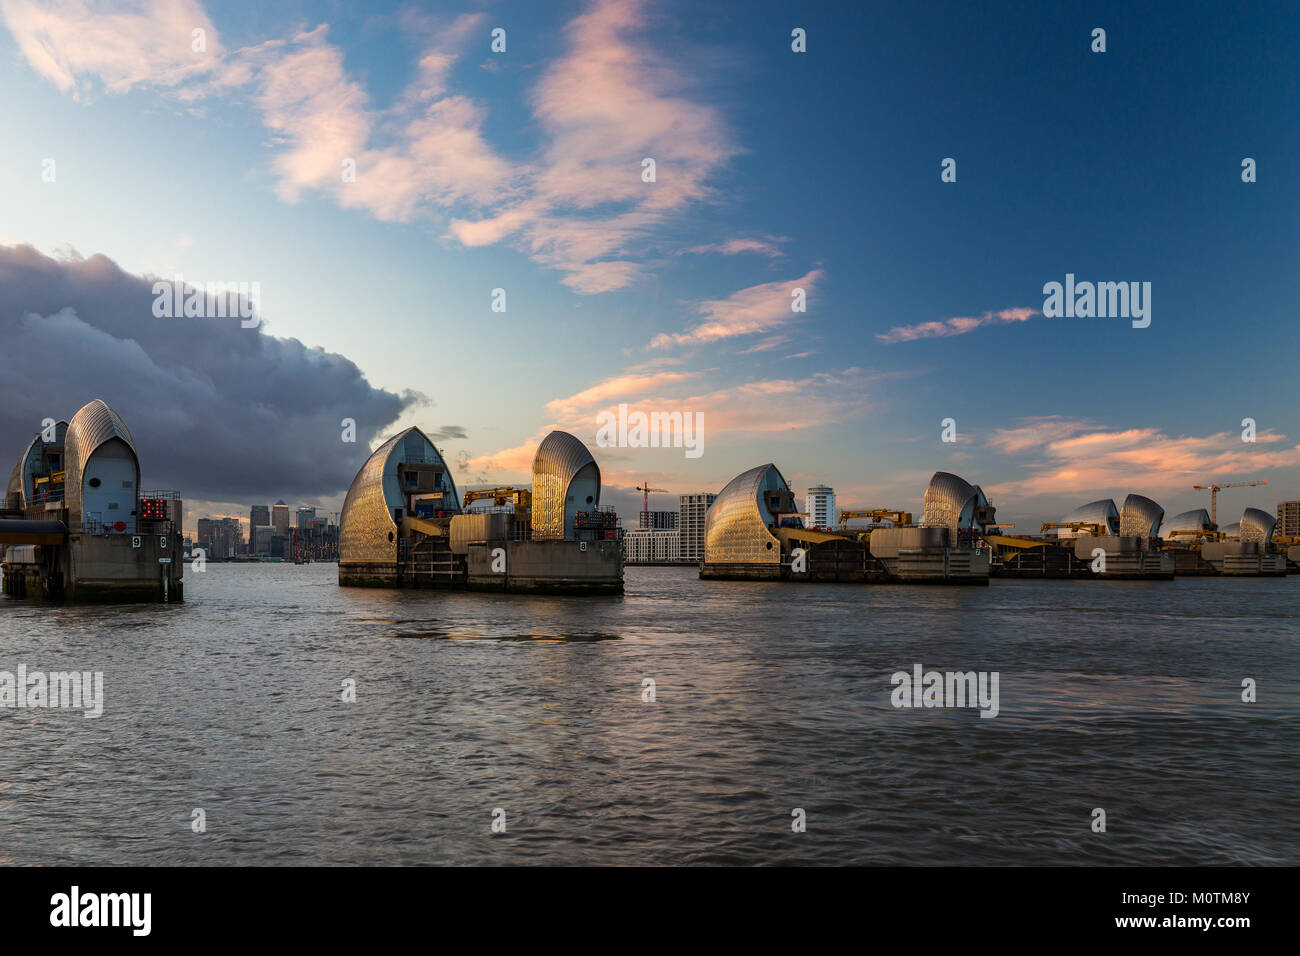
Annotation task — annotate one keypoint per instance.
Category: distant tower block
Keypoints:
(820, 505)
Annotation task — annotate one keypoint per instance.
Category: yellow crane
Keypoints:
(876, 515)
(521, 498)
(1214, 487)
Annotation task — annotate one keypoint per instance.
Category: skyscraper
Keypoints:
(280, 519)
(259, 516)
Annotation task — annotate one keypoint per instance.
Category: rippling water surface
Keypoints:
(1124, 696)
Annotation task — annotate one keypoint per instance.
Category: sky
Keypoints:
(133, 149)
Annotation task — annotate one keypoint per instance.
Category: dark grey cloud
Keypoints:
(448, 431)
(218, 411)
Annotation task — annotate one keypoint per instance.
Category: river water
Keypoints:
(1123, 696)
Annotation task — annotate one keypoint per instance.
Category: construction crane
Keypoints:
(876, 515)
(645, 495)
(1214, 487)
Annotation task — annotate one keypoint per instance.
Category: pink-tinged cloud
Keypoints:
(759, 308)
(1036, 433)
(734, 247)
(606, 105)
(1145, 460)
(425, 152)
(617, 389)
(791, 408)
(955, 326)
(767, 344)
(578, 205)
(148, 43)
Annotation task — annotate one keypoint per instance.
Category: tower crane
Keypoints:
(645, 495)
(1214, 487)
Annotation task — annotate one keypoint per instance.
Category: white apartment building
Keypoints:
(820, 505)
(691, 513)
(651, 546)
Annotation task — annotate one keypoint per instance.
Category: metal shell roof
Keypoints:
(14, 491)
(947, 497)
(559, 458)
(1140, 517)
(1102, 512)
(1257, 525)
(367, 531)
(736, 528)
(20, 478)
(94, 425)
(1198, 519)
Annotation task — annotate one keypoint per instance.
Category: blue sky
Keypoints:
(775, 169)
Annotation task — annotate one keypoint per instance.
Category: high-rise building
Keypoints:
(203, 534)
(1288, 519)
(690, 524)
(820, 505)
(220, 538)
(258, 516)
(658, 521)
(280, 519)
(306, 516)
(262, 539)
(652, 546)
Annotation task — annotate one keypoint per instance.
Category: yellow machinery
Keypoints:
(521, 498)
(1001, 542)
(422, 525)
(876, 515)
(1091, 527)
(789, 536)
(1198, 536)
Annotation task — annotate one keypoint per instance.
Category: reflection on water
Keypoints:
(492, 634)
(1117, 695)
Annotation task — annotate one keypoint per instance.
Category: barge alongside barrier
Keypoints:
(75, 525)
(403, 525)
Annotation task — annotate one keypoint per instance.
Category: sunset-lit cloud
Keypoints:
(790, 407)
(955, 326)
(733, 247)
(1035, 433)
(759, 308)
(74, 42)
(1094, 461)
(577, 203)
